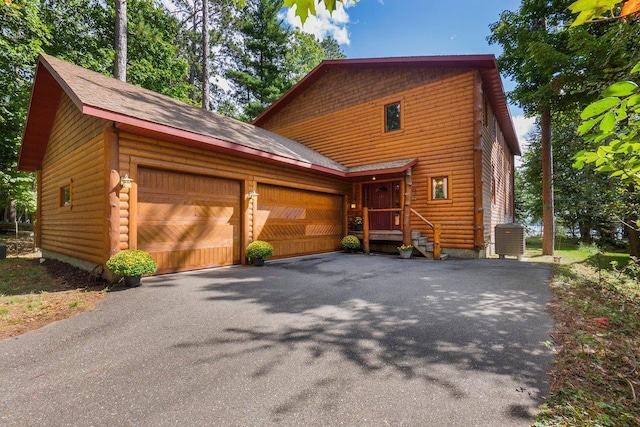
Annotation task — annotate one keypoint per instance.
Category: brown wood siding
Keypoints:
(188, 221)
(437, 118)
(298, 222)
(138, 153)
(74, 157)
(340, 90)
(498, 181)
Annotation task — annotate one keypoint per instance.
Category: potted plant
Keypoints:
(357, 223)
(350, 243)
(132, 264)
(405, 251)
(257, 251)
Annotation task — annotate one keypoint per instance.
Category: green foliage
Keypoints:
(269, 57)
(259, 74)
(306, 7)
(589, 10)
(22, 35)
(403, 248)
(258, 249)
(350, 242)
(615, 121)
(583, 201)
(131, 262)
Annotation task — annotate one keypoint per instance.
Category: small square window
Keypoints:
(392, 117)
(439, 188)
(65, 196)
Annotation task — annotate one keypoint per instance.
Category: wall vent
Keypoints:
(510, 240)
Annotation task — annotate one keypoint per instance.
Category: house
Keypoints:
(123, 167)
(449, 113)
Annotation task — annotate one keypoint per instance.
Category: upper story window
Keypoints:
(392, 117)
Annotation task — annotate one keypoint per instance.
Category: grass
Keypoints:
(596, 307)
(31, 296)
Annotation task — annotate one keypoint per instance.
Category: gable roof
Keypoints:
(149, 113)
(485, 64)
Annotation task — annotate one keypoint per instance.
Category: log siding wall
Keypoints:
(136, 151)
(74, 157)
(437, 111)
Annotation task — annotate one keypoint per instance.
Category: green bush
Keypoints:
(132, 262)
(258, 249)
(350, 243)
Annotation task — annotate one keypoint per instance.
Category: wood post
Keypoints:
(478, 208)
(112, 162)
(345, 215)
(365, 231)
(436, 241)
(406, 211)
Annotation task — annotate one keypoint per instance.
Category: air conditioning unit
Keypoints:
(510, 240)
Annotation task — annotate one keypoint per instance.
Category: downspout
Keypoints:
(478, 209)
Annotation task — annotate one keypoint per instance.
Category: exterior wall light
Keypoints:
(125, 181)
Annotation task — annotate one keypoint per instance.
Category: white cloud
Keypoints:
(523, 125)
(325, 23)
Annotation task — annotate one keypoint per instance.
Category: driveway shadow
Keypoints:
(422, 320)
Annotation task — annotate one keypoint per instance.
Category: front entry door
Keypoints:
(382, 195)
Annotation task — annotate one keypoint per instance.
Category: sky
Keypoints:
(381, 28)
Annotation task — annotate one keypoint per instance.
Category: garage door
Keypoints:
(298, 222)
(188, 221)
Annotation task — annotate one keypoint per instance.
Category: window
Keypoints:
(440, 188)
(392, 117)
(65, 196)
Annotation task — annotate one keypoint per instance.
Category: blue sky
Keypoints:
(379, 28)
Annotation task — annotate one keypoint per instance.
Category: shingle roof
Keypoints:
(105, 97)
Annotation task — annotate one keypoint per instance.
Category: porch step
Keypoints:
(422, 245)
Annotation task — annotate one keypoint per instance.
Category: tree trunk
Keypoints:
(585, 231)
(634, 241)
(548, 232)
(206, 42)
(120, 67)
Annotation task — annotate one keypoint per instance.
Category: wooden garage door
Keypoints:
(298, 222)
(188, 221)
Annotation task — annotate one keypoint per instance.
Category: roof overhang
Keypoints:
(45, 98)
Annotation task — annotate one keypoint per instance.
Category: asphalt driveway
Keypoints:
(326, 340)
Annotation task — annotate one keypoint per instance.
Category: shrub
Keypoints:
(258, 249)
(350, 242)
(132, 262)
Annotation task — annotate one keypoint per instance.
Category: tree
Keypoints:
(332, 48)
(534, 55)
(120, 66)
(206, 48)
(82, 32)
(612, 124)
(259, 74)
(22, 35)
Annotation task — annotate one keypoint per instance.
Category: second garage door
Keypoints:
(299, 222)
(188, 221)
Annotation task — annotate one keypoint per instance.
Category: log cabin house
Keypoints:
(421, 148)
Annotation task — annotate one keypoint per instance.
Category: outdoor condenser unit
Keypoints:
(510, 240)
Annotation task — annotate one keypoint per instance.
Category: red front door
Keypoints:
(382, 195)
